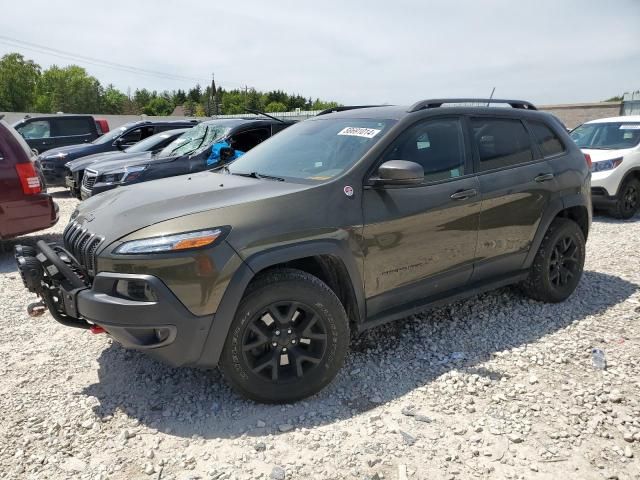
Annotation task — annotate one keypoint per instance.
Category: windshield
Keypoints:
(314, 150)
(607, 136)
(148, 144)
(197, 138)
(110, 136)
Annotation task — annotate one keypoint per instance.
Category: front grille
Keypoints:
(89, 179)
(82, 244)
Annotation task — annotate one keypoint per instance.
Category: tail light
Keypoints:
(587, 157)
(28, 178)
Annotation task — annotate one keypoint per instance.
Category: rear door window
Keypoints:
(549, 142)
(35, 129)
(437, 145)
(69, 127)
(501, 142)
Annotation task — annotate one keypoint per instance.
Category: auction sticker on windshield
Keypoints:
(359, 132)
(629, 126)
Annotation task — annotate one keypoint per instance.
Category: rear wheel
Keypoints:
(628, 200)
(558, 264)
(288, 339)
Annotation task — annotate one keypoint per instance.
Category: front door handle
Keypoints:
(464, 194)
(545, 177)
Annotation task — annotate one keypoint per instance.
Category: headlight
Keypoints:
(602, 165)
(131, 173)
(171, 243)
(114, 177)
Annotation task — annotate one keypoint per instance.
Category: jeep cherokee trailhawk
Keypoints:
(340, 223)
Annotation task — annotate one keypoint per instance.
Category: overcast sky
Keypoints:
(371, 51)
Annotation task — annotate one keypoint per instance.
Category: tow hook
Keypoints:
(36, 309)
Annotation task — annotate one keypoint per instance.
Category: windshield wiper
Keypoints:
(256, 175)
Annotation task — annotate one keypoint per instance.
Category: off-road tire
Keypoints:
(627, 200)
(273, 290)
(540, 285)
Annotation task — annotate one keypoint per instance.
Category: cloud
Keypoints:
(354, 52)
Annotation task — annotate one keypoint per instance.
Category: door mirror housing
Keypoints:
(399, 172)
(119, 143)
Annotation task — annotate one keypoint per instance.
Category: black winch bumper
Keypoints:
(137, 310)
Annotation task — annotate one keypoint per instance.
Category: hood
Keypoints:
(99, 160)
(118, 212)
(82, 163)
(142, 158)
(72, 151)
(599, 154)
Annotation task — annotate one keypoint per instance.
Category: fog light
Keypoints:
(138, 290)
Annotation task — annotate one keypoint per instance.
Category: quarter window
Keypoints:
(502, 142)
(437, 145)
(549, 142)
(68, 127)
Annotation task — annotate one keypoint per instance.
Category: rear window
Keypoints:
(502, 142)
(548, 141)
(68, 127)
(27, 150)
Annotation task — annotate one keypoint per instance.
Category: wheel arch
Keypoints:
(631, 173)
(574, 207)
(330, 261)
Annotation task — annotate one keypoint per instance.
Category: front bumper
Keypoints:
(164, 328)
(156, 322)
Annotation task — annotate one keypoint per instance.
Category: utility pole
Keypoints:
(213, 96)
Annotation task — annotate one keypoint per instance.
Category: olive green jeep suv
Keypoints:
(337, 224)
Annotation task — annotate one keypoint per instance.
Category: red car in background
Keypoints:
(24, 204)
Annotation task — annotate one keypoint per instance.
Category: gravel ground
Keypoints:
(496, 386)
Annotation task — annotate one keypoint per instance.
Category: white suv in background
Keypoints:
(614, 147)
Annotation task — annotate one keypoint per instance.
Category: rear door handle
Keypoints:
(464, 194)
(545, 177)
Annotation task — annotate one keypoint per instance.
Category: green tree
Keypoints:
(159, 106)
(113, 101)
(18, 80)
(69, 89)
(276, 107)
(617, 98)
(142, 98)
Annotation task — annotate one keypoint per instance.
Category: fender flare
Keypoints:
(253, 265)
(634, 171)
(553, 209)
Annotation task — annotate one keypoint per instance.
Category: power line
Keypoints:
(94, 61)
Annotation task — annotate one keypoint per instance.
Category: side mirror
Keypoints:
(226, 154)
(399, 172)
(119, 143)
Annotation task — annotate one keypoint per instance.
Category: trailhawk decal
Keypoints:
(359, 132)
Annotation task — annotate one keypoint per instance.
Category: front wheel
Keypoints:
(558, 264)
(628, 200)
(288, 339)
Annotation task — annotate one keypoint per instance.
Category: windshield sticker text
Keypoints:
(630, 127)
(359, 132)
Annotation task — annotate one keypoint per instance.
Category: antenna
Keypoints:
(491, 96)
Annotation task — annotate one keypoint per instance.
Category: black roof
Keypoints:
(396, 112)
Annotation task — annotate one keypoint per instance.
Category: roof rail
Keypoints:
(438, 102)
(344, 108)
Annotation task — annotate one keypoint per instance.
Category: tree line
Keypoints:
(26, 87)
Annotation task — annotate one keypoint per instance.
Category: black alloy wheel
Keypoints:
(284, 341)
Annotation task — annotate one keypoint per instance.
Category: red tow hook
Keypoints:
(95, 329)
